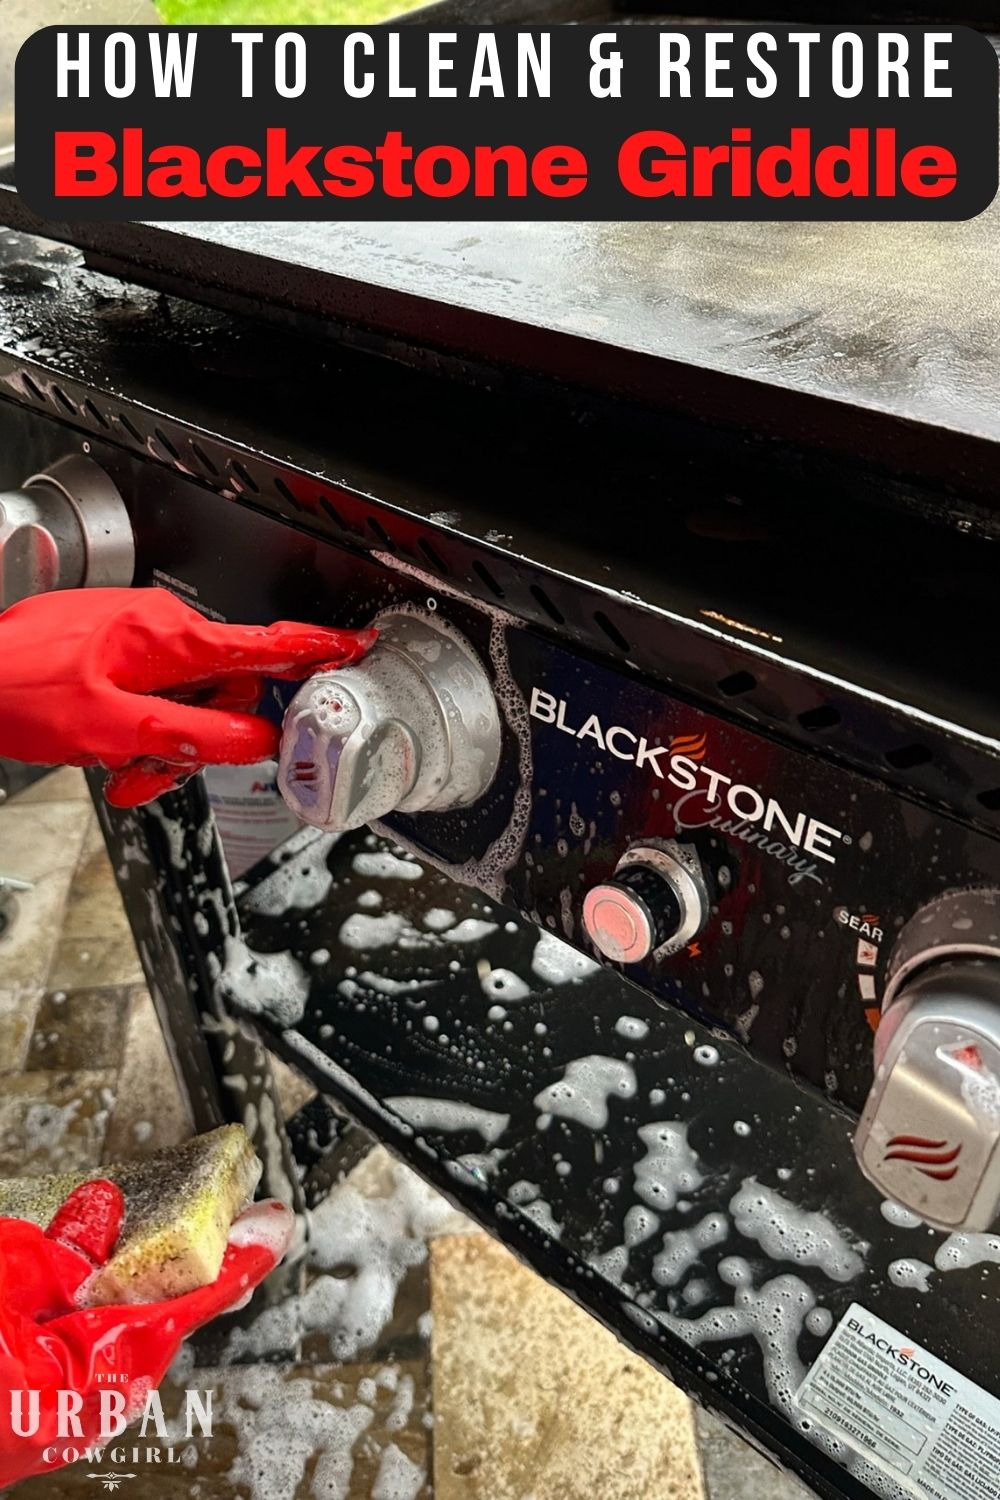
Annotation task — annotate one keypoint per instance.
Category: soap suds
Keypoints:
(910, 1273)
(669, 1167)
(447, 1114)
(271, 984)
(786, 1232)
(682, 1248)
(583, 1092)
(381, 865)
(555, 962)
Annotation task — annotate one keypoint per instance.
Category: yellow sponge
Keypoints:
(179, 1206)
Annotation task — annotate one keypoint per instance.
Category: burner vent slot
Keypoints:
(380, 534)
(436, 562)
(822, 717)
(244, 478)
(485, 576)
(542, 598)
(737, 684)
(990, 799)
(908, 757)
(204, 460)
(611, 630)
(63, 400)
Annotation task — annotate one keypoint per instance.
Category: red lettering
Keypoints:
(350, 171)
(928, 171)
(662, 175)
(559, 171)
(457, 167)
(83, 164)
(179, 176)
(217, 172)
(286, 172)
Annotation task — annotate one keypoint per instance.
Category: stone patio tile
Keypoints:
(54, 1122)
(532, 1397)
(39, 842)
(150, 1112)
(80, 1029)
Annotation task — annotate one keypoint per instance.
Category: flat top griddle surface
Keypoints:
(897, 318)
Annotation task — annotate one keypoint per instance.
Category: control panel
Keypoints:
(838, 931)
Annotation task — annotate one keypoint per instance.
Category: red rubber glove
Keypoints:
(98, 677)
(49, 1343)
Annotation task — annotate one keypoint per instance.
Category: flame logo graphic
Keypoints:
(935, 1159)
(691, 745)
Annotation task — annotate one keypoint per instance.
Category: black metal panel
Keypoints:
(427, 1017)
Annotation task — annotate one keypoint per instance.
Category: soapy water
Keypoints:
(682, 1248)
(786, 1232)
(382, 865)
(556, 963)
(271, 984)
(910, 1273)
(447, 1114)
(301, 881)
(582, 1094)
(669, 1169)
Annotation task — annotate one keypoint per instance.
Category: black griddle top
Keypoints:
(840, 332)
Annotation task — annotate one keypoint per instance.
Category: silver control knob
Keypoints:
(413, 727)
(654, 903)
(67, 528)
(929, 1136)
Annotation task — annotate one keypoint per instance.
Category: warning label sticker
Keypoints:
(911, 1415)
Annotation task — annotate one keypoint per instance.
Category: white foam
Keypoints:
(447, 1114)
(706, 1057)
(669, 1167)
(682, 1248)
(902, 1218)
(300, 882)
(583, 1092)
(632, 1028)
(640, 1224)
(381, 865)
(398, 1477)
(471, 930)
(910, 1273)
(438, 919)
(271, 984)
(555, 962)
(960, 1251)
(504, 984)
(786, 1232)
(773, 1316)
(362, 932)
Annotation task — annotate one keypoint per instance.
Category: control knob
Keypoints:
(64, 529)
(654, 903)
(929, 1135)
(413, 727)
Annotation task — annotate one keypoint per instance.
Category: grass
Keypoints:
(278, 12)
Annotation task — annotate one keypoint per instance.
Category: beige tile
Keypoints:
(39, 842)
(533, 1397)
(54, 1122)
(65, 784)
(80, 1029)
(150, 1112)
(293, 1091)
(18, 1008)
(95, 961)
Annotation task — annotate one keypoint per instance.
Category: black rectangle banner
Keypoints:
(569, 122)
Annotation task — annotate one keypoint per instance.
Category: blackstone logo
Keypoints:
(710, 798)
(901, 1355)
(111, 1411)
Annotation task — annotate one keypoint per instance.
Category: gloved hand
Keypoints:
(50, 1343)
(137, 681)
